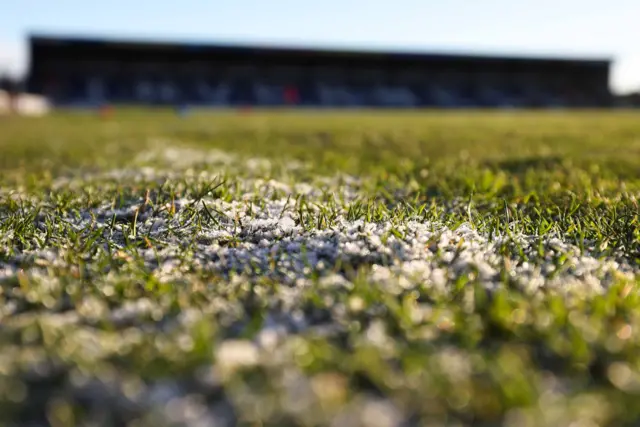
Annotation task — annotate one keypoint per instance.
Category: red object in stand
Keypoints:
(291, 95)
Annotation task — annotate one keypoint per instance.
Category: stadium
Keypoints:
(82, 71)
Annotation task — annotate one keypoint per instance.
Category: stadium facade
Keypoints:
(82, 71)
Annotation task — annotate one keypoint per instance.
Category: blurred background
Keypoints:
(331, 54)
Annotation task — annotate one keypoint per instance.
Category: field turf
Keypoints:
(320, 268)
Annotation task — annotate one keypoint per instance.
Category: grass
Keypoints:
(315, 268)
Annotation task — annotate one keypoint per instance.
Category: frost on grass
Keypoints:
(201, 289)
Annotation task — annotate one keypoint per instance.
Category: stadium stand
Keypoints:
(83, 72)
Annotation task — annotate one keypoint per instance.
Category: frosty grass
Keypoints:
(198, 288)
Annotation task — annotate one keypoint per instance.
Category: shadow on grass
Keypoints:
(519, 167)
(622, 167)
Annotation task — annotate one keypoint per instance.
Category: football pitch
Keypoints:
(307, 268)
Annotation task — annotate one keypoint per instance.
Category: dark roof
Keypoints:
(266, 50)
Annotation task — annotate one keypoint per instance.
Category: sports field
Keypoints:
(318, 268)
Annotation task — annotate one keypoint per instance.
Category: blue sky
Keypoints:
(557, 27)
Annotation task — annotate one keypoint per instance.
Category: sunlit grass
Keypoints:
(309, 268)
